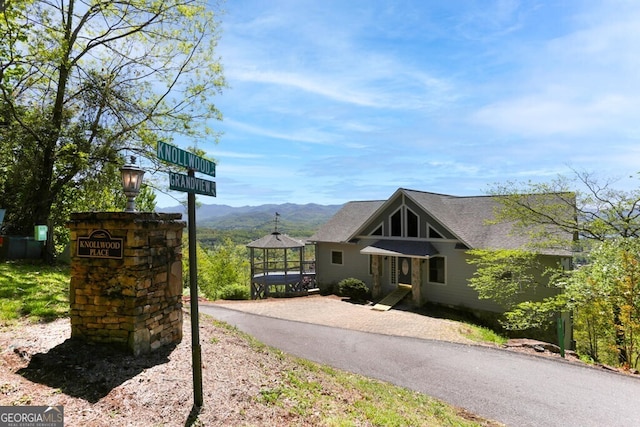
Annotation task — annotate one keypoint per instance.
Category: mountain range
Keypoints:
(291, 217)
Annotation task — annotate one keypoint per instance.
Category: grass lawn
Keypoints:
(35, 292)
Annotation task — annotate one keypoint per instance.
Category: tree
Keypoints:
(223, 271)
(83, 82)
(605, 297)
(597, 212)
(503, 275)
(507, 276)
(604, 292)
(230, 268)
(102, 193)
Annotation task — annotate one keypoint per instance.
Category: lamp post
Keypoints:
(131, 181)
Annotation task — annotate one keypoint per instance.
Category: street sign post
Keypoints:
(196, 352)
(191, 185)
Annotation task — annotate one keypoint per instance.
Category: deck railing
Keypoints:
(276, 278)
(280, 267)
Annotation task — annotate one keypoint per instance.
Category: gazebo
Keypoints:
(279, 269)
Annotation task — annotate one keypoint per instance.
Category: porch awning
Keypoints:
(400, 248)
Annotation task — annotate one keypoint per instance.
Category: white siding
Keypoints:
(354, 264)
(456, 290)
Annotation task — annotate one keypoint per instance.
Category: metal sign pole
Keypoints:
(189, 183)
(196, 357)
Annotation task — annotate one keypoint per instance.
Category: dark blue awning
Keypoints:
(411, 249)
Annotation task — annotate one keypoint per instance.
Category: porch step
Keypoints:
(393, 298)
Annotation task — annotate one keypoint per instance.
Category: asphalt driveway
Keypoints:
(516, 389)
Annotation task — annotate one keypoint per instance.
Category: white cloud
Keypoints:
(393, 87)
(582, 82)
(453, 167)
(328, 60)
(544, 115)
(218, 154)
(308, 84)
(308, 136)
(276, 171)
(341, 101)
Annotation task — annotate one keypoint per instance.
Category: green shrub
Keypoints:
(234, 292)
(353, 288)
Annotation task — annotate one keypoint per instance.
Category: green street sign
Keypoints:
(191, 184)
(177, 156)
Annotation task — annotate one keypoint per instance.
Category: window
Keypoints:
(403, 223)
(433, 234)
(436, 270)
(412, 224)
(377, 231)
(396, 223)
(336, 257)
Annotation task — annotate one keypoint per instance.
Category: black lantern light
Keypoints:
(131, 181)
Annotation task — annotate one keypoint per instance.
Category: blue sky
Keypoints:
(333, 100)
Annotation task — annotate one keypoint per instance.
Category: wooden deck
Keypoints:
(281, 284)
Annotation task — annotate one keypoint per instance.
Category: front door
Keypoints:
(404, 271)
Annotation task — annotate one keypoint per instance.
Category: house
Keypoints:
(418, 239)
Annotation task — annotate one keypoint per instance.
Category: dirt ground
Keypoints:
(100, 386)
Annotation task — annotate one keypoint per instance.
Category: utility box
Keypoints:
(40, 233)
(20, 247)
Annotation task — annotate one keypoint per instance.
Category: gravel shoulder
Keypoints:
(337, 312)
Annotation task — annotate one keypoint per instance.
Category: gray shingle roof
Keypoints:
(276, 241)
(465, 217)
(342, 226)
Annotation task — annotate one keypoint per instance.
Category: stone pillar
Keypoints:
(416, 281)
(126, 279)
(376, 267)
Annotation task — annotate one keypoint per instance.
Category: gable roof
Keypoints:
(464, 217)
(467, 217)
(346, 222)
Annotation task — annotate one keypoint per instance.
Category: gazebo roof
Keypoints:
(276, 240)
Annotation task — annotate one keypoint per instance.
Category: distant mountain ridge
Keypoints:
(292, 217)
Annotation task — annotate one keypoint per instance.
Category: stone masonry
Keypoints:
(134, 301)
